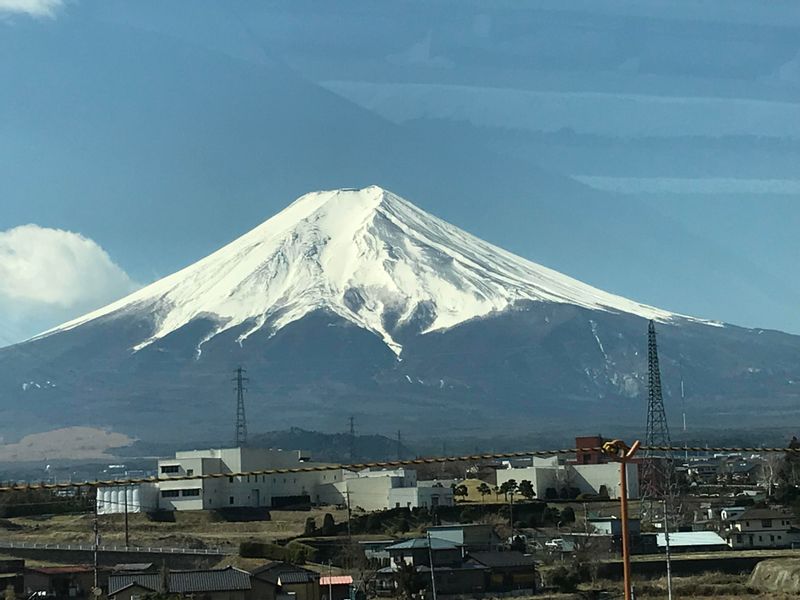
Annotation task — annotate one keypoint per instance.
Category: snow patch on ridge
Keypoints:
(366, 255)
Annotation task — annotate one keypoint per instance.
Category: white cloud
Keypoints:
(33, 8)
(48, 276)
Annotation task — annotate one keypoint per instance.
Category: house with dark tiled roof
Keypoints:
(455, 570)
(229, 583)
(506, 571)
(302, 583)
(70, 581)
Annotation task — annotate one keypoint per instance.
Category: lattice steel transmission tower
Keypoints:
(241, 420)
(657, 488)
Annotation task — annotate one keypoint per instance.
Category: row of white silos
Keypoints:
(133, 498)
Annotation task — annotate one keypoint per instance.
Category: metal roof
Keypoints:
(336, 580)
(422, 542)
(181, 582)
(690, 538)
(295, 577)
(502, 559)
(133, 566)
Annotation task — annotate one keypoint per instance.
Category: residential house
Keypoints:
(506, 571)
(762, 528)
(375, 551)
(229, 583)
(454, 570)
(613, 526)
(703, 471)
(477, 537)
(12, 574)
(336, 587)
(75, 581)
(300, 583)
(420, 552)
(452, 574)
(729, 513)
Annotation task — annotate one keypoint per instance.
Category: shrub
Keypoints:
(311, 527)
(300, 553)
(564, 579)
(328, 525)
(253, 549)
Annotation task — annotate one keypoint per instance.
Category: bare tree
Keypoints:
(771, 465)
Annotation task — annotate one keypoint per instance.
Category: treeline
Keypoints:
(43, 502)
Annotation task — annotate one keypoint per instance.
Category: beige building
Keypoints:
(544, 473)
(382, 489)
(762, 528)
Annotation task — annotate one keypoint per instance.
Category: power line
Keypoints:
(21, 487)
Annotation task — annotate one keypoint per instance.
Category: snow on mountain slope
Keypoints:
(367, 255)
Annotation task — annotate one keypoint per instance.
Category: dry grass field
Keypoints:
(190, 529)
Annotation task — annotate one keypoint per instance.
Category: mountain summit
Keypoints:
(366, 255)
(356, 302)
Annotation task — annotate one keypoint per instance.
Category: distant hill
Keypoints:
(333, 447)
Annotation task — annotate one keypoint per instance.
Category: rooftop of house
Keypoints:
(137, 567)
(184, 582)
(424, 542)
(762, 513)
(65, 570)
(502, 559)
(680, 539)
(336, 580)
(285, 572)
(288, 577)
(459, 526)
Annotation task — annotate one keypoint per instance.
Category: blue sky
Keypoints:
(647, 148)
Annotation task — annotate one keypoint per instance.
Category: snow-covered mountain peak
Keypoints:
(366, 255)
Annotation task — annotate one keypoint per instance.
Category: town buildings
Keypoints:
(455, 568)
(231, 481)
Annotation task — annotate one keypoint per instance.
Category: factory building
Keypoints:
(368, 490)
(590, 478)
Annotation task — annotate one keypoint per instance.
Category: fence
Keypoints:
(134, 549)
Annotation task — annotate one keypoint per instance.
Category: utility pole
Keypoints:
(511, 513)
(352, 439)
(430, 557)
(620, 452)
(241, 420)
(666, 545)
(347, 494)
(399, 446)
(96, 535)
(125, 494)
(330, 581)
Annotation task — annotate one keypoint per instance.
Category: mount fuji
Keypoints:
(356, 302)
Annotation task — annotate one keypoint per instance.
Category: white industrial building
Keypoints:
(546, 473)
(372, 490)
(368, 490)
(132, 499)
